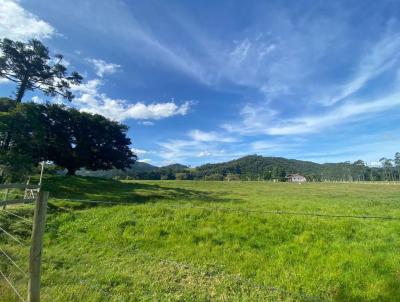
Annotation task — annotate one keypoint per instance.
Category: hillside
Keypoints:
(260, 167)
(252, 167)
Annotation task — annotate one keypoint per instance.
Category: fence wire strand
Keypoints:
(4, 211)
(12, 237)
(277, 212)
(12, 287)
(13, 262)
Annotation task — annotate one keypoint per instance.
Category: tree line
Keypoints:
(255, 167)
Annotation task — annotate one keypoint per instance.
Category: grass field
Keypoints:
(214, 241)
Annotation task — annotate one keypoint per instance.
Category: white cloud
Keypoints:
(18, 24)
(204, 154)
(37, 100)
(139, 151)
(254, 119)
(103, 68)
(342, 114)
(4, 81)
(90, 87)
(201, 136)
(89, 99)
(146, 123)
(259, 146)
(199, 144)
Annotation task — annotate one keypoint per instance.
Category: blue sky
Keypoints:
(209, 81)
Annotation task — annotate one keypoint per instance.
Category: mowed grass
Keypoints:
(213, 241)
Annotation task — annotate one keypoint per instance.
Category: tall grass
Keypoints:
(217, 241)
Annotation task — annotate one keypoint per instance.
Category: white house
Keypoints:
(296, 178)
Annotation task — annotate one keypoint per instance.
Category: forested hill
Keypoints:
(253, 167)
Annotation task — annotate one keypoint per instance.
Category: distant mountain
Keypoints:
(141, 166)
(259, 167)
(137, 167)
(252, 167)
(175, 167)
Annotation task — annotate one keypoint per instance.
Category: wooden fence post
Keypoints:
(35, 256)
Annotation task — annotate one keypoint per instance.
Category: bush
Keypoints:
(218, 177)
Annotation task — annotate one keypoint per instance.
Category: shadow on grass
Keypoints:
(108, 190)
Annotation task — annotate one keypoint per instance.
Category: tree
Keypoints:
(78, 139)
(360, 163)
(22, 138)
(387, 165)
(183, 176)
(397, 163)
(383, 164)
(214, 177)
(65, 136)
(29, 65)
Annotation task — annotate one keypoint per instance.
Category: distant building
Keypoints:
(296, 178)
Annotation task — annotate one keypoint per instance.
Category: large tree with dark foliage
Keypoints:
(29, 65)
(69, 138)
(22, 138)
(83, 140)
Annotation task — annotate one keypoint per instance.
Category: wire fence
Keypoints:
(14, 265)
(15, 284)
(242, 210)
(19, 233)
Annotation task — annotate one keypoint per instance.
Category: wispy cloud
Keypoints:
(202, 136)
(262, 121)
(199, 145)
(253, 120)
(383, 56)
(103, 68)
(18, 24)
(146, 123)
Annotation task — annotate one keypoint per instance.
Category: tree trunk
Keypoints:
(21, 90)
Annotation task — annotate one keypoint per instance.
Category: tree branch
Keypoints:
(10, 78)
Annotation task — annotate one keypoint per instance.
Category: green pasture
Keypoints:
(212, 241)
